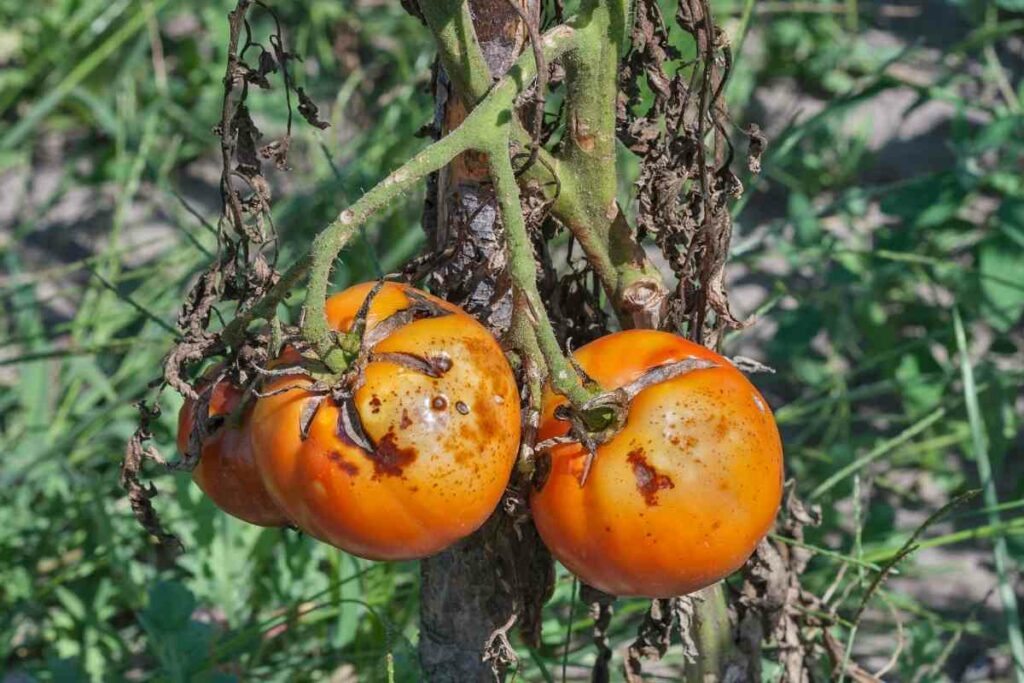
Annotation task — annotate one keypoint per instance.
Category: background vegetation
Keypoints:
(882, 251)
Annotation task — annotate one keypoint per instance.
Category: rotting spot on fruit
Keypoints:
(342, 464)
(648, 480)
(439, 403)
(388, 459)
(375, 404)
(406, 420)
(462, 408)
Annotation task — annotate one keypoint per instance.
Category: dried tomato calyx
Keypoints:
(359, 344)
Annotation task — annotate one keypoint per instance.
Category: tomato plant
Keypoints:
(424, 455)
(226, 471)
(677, 499)
(391, 429)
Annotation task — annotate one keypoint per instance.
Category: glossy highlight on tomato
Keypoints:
(226, 471)
(681, 496)
(441, 450)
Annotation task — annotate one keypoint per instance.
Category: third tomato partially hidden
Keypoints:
(682, 495)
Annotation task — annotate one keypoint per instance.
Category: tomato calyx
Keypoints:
(358, 344)
(600, 419)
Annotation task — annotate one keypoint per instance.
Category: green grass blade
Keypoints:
(999, 549)
(19, 131)
(878, 451)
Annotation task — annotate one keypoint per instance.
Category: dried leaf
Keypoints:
(309, 110)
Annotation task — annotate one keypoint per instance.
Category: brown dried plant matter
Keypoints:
(241, 274)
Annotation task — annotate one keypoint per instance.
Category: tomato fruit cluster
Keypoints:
(418, 454)
(438, 414)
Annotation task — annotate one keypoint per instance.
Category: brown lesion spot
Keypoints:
(389, 459)
(375, 404)
(406, 420)
(648, 480)
(344, 465)
(683, 442)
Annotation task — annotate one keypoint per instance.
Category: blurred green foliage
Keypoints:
(861, 313)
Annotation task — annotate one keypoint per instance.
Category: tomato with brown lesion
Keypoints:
(226, 472)
(438, 408)
(677, 499)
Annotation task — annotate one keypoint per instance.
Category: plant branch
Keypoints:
(458, 47)
(489, 120)
(523, 270)
(462, 56)
(329, 243)
(632, 284)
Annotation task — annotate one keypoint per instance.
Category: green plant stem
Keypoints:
(329, 243)
(458, 47)
(523, 270)
(463, 60)
(595, 219)
(713, 636)
(585, 199)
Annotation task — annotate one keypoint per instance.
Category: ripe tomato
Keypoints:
(441, 447)
(226, 471)
(681, 496)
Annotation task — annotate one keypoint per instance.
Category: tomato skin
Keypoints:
(445, 446)
(226, 471)
(681, 496)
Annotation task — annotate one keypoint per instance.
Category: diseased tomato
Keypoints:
(681, 496)
(226, 471)
(440, 449)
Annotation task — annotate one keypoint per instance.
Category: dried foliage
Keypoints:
(602, 606)
(773, 604)
(666, 615)
(139, 494)
(241, 274)
(686, 182)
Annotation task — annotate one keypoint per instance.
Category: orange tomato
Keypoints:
(226, 471)
(681, 496)
(441, 448)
